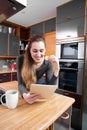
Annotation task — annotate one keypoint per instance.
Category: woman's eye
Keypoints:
(41, 50)
(34, 51)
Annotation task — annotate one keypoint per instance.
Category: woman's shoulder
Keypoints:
(20, 59)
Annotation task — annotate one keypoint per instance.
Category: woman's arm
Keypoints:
(53, 70)
(55, 64)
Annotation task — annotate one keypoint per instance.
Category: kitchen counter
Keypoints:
(38, 116)
(7, 71)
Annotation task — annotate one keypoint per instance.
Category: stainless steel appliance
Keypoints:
(70, 83)
(70, 50)
(71, 76)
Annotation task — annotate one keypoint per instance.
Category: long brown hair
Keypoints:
(28, 71)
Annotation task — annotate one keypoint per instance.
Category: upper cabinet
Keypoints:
(3, 44)
(43, 27)
(50, 25)
(9, 42)
(70, 19)
(37, 29)
(70, 11)
(13, 45)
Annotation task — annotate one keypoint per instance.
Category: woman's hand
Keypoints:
(31, 98)
(54, 60)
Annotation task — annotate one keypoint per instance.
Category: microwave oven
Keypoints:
(73, 50)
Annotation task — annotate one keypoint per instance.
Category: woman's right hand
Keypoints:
(31, 98)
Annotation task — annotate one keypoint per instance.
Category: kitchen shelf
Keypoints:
(1, 57)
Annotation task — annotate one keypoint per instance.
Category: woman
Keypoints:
(33, 68)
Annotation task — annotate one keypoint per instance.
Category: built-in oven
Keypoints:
(70, 81)
(71, 76)
(70, 50)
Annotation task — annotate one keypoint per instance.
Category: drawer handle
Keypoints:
(65, 115)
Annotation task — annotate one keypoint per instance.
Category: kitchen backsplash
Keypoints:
(5, 64)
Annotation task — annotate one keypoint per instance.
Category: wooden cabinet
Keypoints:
(50, 43)
(5, 77)
(70, 19)
(24, 33)
(13, 76)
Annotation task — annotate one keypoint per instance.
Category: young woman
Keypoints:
(33, 68)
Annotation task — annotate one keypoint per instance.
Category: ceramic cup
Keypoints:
(11, 99)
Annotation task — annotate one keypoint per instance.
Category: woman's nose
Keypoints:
(38, 53)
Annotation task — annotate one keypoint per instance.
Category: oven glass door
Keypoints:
(68, 80)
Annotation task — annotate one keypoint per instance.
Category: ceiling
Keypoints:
(36, 11)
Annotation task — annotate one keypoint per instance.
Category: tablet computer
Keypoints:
(44, 90)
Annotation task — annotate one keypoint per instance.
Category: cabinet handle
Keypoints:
(66, 94)
(65, 115)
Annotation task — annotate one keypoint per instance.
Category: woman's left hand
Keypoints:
(55, 62)
(31, 98)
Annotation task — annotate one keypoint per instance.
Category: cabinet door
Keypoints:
(3, 44)
(70, 19)
(37, 29)
(13, 45)
(72, 28)
(5, 77)
(71, 10)
(50, 43)
(50, 25)
(14, 76)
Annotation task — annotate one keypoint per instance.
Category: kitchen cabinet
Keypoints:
(71, 29)
(13, 76)
(70, 19)
(50, 25)
(50, 39)
(13, 45)
(5, 77)
(3, 44)
(37, 29)
(70, 11)
(9, 45)
(44, 27)
(76, 108)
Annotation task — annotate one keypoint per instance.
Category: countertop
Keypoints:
(7, 71)
(38, 116)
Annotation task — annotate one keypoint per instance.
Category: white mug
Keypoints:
(11, 99)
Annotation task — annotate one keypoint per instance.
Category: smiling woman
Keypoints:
(33, 68)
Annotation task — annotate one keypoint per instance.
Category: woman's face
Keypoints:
(38, 51)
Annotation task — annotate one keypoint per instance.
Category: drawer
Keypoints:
(5, 77)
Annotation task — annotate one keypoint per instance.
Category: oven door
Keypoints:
(68, 79)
